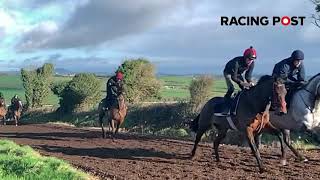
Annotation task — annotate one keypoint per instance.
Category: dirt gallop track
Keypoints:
(138, 157)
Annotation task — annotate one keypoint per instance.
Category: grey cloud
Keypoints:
(2, 33)
(36, 38)
(55, 56)
(36, 4)
(99, 21)
(184, 43)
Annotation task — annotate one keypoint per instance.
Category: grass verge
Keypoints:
(22, 162)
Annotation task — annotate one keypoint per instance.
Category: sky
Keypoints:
(178, 36)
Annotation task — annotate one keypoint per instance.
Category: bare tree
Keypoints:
(316, 16)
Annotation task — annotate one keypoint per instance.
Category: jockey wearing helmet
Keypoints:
(15, 98)
(290, 67)
(233, 72)
(114, 86)
(292, 71)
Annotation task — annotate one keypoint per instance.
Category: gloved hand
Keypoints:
(251, 84)
(245, 85)
(302, 82)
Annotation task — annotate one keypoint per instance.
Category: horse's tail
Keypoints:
(194, 124)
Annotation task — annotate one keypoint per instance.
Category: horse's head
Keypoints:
(120, 89)
(274, 88)
(279, 96)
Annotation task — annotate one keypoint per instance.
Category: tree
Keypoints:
(140, 81)
(316, 16)
(81, 93)
(200, 89)
(37, 84)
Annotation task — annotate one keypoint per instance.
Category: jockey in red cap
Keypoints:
(114, 89)
(233, 72)
(119, 75)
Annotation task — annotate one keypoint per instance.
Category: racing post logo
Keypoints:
(262, 21)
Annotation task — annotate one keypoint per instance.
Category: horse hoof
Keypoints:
(304, 160)
(283, 162)
(262, 170)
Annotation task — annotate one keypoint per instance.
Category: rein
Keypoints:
(303, 100)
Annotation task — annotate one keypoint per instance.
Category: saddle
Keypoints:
(110, 103)
(232, 105)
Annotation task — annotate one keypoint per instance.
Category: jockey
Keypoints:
(290, 67)
(14, 99)
(114, 85)
(292, 71)
(233, 72)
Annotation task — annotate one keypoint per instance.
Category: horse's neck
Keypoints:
(258, 96)
(121, 104)
(313, 85)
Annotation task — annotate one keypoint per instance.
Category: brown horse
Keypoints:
(250, 104)
(15, 111)
(115, 115)
(3, 110)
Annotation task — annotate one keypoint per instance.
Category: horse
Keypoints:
(303, 114)
(116, 115)
(15, 111)
(3, 110)
(250, 103)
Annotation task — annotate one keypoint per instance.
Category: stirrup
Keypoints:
(222, 114)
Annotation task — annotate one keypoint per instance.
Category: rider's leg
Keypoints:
(107, 103)
(228, 95)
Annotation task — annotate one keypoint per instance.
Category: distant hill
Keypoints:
(62, 71)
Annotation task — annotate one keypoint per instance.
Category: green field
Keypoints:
(174, 87)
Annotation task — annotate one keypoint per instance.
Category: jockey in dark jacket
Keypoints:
(14, 99)
(290, 67)
(292, 71)
(114, 87)
(233, 72)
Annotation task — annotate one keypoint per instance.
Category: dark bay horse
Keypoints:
(251, 103)
(3, 110)
(15, 111)
(115, 115)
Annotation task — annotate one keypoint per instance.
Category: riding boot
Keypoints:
(226, 107)
(107, 104)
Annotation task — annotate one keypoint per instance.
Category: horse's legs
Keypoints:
(200, 132)
(117, 128)
(16, 119)
(283, 148)
(253, 147)
(101, 124)
(112, 125)
(221, 135)
(286, 136)
(257, 139)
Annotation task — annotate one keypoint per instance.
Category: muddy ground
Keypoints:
(147, 157)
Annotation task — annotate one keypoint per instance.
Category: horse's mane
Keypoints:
(264, 78)
(314, 77)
